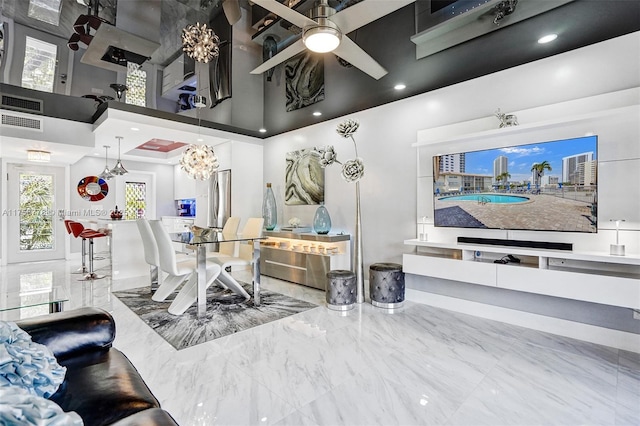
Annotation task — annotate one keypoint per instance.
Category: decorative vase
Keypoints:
(269, 210)
(322, 221)
(116, 214)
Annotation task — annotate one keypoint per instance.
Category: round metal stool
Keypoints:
(341, 290)
(386, 285)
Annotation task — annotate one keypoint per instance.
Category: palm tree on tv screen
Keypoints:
(503, 177)
(539, 168)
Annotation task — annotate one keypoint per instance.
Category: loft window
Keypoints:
(45, 10)
(39, 65)
(136, 85)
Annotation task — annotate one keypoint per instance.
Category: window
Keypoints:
(45, 10)
(136, 85)
(39, 65)
(135, 198)
(36, 205)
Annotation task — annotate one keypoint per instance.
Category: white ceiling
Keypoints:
(89, 139)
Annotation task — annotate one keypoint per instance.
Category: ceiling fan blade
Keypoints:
(360, 14)
(352, 53)
(232, 11)
(287, 53)
(285, 12)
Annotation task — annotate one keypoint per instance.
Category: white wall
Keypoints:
(389, 186)
(387, 132)
(162, 174)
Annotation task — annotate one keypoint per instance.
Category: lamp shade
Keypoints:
(119, 169)
(321, 39)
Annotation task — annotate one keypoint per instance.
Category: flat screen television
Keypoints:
(546, 186)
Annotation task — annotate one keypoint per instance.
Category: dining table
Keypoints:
(207, 238)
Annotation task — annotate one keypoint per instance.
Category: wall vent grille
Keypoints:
(16, 121)
(22, 104)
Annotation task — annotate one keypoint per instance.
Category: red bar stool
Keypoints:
(79, 230)
(83, 269)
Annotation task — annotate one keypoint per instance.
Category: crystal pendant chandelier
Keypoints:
(200, 42)
(106, 173)
(199, 161)
(119, 169)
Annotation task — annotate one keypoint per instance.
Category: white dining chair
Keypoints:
(177, 272)
(230, 229)
(150, 253)
(251, 229)
(152, 257)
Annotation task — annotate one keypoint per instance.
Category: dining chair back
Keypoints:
(151, 255)
(251, 229)
(230, 229)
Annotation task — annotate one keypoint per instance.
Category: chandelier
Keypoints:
(199, 161)
(200, 42)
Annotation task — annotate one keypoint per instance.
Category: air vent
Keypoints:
(22, 122)
(22, 104)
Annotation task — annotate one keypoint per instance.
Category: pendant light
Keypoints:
(199, 161)
(119, 169)
(106, 173)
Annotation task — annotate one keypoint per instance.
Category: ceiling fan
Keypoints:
(326, 29)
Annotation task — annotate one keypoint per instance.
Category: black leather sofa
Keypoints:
(101, 384)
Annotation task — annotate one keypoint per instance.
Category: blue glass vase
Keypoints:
(269, 210)
(322, 221)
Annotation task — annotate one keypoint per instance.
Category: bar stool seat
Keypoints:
(79, 231)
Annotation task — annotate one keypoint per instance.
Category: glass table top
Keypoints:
(26, 299)
(208, 236)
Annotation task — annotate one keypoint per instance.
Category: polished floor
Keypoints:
(417, 366)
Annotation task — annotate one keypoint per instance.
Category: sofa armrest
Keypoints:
(72, 332)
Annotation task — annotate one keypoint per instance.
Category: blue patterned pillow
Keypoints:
(26, 364)
(19, 407)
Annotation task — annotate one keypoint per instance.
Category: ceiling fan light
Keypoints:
(321, 39)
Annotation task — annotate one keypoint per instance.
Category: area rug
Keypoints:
(226, 314)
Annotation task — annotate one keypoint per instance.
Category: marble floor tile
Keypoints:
(416, 365)
(573, 389)
(628, 397)
(368, 399)
(566, 344)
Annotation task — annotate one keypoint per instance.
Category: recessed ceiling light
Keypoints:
(263, 130)
(317, 113)
(135, 129)
(199, 139)
(400, 86)
(548, 38)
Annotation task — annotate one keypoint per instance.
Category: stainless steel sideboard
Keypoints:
(304, 257)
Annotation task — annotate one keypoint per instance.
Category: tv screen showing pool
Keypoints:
(546, 186)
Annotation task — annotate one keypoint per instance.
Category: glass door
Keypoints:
(34, 229)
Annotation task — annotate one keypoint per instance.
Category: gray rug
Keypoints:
(226, 314)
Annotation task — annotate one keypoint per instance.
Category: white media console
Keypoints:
(588, 276)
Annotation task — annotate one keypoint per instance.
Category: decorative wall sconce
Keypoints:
(119, 169)
(617, 249)
(200, 42)
(38, 156)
